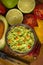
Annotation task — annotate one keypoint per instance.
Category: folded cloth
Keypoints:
(36, 50)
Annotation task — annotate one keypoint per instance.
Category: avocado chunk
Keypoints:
(3, 29)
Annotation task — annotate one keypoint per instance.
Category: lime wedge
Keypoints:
(14, 16)
(26, 6)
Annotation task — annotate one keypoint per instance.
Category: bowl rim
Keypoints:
(28, 27)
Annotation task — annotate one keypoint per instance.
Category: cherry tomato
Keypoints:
(2, 9)
(30, 20)
(38, 11)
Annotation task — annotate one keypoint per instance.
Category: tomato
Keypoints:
(30, 20)
(38, 11)
(29, 46)
(2, 9)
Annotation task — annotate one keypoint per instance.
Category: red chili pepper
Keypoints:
(2, 9)
(30, 20)
(38, 11)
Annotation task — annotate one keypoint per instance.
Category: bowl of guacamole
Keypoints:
(21, 38)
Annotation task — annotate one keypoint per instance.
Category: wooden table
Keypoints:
(39, 60)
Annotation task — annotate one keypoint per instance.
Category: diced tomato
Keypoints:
(38, 11)
(18, 32)
(2, 9)
(30, 20)
(19, 44)
(29, 46)
(16, 38)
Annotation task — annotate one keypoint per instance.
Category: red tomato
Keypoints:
(2, 9)
(30, 19)
(38, 11)
(29, 46)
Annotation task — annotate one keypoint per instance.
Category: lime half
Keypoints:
(9, 3)
(14, 16)
(26, 6)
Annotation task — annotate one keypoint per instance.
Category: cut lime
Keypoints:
(14, 16)
(9, 3)
(26, 6)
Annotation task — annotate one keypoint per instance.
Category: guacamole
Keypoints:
(20, 39)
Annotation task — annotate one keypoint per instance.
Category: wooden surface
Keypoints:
(39, 60)
(8, 62)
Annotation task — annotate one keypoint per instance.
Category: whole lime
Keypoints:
(9, 3)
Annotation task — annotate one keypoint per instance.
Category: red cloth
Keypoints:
(36, 50)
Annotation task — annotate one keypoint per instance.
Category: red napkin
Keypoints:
(36, 50)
